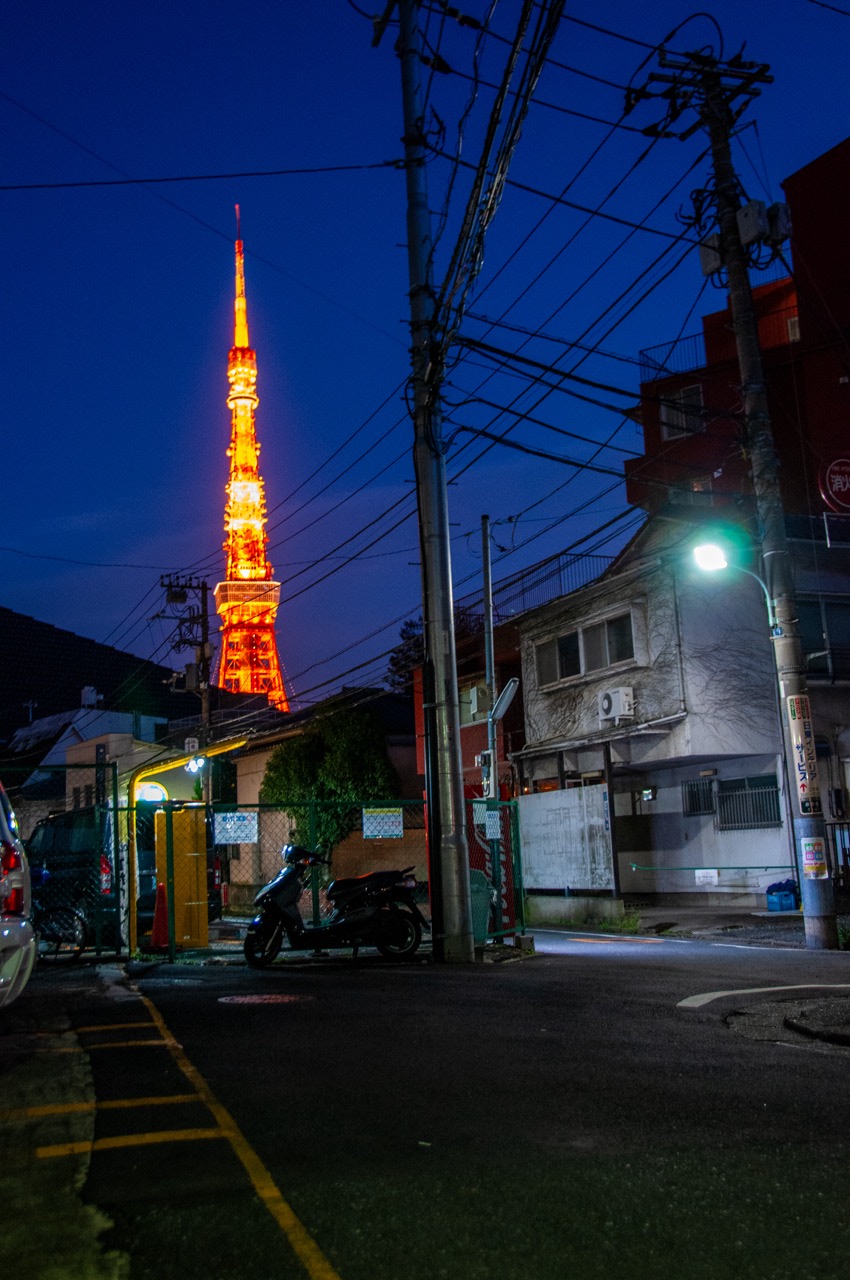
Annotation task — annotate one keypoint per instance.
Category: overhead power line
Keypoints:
(199, 177)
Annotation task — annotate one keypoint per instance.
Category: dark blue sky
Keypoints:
(118, 299)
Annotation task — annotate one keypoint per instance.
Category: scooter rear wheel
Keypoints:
(400, 936)
(263, 943)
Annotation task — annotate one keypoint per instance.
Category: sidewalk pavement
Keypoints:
(709, 923)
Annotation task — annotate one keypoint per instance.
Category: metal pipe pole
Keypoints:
(496, 846)
(798, 738)
(446, 803)
(489, 660)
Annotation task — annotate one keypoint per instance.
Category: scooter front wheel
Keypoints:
(400, 934)
(263, 942)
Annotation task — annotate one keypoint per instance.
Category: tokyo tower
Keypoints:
(248, 599)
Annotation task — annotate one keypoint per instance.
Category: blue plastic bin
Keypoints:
(781, 902)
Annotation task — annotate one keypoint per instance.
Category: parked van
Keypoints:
(76, 848)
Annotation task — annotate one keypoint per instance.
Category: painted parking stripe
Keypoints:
(128, 1140)
(696, 1002)
(301, 1242)
(316, 1265)
(113, 1026)
(71, 1108)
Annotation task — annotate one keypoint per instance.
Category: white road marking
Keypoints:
(696, 1002)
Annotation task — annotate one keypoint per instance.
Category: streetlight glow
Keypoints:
(710, 557)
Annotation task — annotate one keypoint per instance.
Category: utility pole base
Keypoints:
(821, 933)
(459, 949)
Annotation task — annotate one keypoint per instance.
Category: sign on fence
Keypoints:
(235, 828)
(383, 824)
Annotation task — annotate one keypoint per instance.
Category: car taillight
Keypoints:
(11, 881)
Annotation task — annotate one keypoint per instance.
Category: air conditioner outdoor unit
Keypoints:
(616, 704)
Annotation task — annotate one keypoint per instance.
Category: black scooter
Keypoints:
(374, 910)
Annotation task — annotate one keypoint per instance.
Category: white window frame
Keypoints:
(580, 631)
(681, 415)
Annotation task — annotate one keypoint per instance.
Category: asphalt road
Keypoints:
(540, 1118)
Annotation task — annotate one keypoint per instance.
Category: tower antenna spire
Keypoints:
(240, 328)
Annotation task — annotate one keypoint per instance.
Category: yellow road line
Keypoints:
(127, 1140)
(302, 1243)
(69, 1108)
(128, 1044)
(113, 1026)
(173, 1099)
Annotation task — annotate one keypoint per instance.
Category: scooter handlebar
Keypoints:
(295, 853)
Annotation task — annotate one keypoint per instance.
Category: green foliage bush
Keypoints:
(338, 763)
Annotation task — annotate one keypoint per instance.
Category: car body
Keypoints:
(17, 940)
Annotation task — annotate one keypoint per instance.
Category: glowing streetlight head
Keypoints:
(710, 557)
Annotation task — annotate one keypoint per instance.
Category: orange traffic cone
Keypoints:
(159, 932)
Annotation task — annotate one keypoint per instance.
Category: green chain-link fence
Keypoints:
(193, 862)
(181, 866)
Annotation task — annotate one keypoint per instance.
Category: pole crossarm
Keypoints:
(702, 82)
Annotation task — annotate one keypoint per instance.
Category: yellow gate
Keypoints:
(189, 872)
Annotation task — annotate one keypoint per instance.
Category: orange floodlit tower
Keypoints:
(248, 599)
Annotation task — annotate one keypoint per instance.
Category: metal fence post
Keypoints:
(169, 880)
(516, 855)
(314, 871)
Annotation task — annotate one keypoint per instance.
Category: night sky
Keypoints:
(118, 299)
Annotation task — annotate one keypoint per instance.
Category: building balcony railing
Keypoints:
(538, 585)
(680, 356)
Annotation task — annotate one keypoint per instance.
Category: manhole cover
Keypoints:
(263, 999)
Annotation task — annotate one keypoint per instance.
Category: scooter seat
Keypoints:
(349, 883)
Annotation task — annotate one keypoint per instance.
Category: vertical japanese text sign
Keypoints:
(805, 757)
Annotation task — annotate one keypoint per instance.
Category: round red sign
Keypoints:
(835, 484)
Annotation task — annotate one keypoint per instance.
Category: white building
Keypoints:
(653, 762)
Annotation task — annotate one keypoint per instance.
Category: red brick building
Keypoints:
(690, 389)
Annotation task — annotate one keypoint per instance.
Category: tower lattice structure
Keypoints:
(247, 601)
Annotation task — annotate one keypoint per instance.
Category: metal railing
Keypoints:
(553, 578)
(838, 851)
(680, 356)
(747, 808)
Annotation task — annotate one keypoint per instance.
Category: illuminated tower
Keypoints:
(247, 600)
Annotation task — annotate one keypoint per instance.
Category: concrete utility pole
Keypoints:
(449, 855)
(710, 87)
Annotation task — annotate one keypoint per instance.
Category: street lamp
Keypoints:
(710, 557)
(798, 740)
